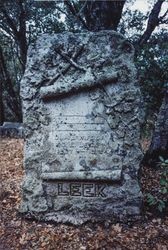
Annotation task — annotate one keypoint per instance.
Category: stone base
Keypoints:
(79, 202)
(78, 218)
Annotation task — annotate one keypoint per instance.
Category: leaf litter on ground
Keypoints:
(16, 233)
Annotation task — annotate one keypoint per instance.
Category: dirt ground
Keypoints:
(17, 233)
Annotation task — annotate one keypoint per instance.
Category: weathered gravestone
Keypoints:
(81, 115)
(11, 129)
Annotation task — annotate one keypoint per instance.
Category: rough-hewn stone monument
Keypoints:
(81, 115)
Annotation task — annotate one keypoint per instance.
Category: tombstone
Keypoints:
(81, 105)
(11, 130)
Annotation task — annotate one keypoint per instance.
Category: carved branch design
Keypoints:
(64, 71)
(70, 60)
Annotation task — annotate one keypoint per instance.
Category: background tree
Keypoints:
(96, 15)
(20, 22)
(10, 98)
(7, 82)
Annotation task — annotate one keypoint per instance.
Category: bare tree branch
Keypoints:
(61, 10)
(74, 11)
(6, 30)
(161, 19)
(10, 22)
(153, 22)
(82, 8)
(22, 40)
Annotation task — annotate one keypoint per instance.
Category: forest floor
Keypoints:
(16, 233)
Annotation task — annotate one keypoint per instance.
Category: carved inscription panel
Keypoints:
(79, 135)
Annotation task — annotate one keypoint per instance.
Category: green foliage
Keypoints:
(43, 17)
(132, 23)
(152, 64)
(40, 17)
(160, 201)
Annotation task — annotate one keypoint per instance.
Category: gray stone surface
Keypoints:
(12, 130)
(81, 105)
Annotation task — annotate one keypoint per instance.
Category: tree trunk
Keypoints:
(21, 36)
(97, 15)
(17, 29)
(102, 15)
(1, 82)
(1, 103)
(153, 22)
(6, 83)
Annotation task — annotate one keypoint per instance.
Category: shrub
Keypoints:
(159, 201)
